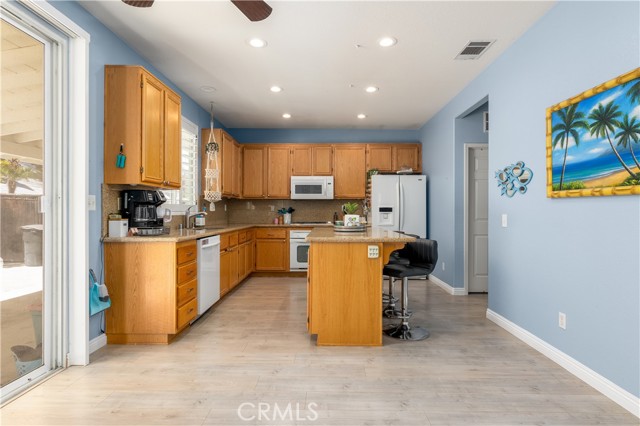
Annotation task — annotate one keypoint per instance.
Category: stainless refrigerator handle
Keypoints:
(396, 214)
(401, 207)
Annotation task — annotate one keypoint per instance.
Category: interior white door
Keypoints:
(478, 267)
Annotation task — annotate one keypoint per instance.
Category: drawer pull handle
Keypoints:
(190, 272)
(190, 253)
(190, 290)
(190, 310)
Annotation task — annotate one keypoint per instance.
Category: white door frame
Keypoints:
(73, 198)
(467, 150)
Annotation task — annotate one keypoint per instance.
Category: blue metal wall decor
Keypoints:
(514, 178)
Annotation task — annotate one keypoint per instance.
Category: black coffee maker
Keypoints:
(139, 206)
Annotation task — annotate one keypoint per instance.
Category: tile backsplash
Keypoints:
(239, 211)
(261, 211)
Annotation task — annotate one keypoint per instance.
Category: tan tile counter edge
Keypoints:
(326, 234)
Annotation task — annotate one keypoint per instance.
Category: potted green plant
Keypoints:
(11, 171)
(350, 217)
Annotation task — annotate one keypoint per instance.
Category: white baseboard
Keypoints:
(454, 291)
(97, 342)
(603, 385)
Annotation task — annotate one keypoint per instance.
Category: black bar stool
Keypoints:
(396, 258)
(422, 255)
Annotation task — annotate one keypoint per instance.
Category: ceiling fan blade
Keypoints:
(255, 10)
(139, 3)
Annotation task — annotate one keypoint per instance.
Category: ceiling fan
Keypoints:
(255, 10)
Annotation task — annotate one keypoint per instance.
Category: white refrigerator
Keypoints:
(399, 203)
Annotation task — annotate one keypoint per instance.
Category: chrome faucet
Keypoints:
(188, 215)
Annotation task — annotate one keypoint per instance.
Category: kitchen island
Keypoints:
(344, 284)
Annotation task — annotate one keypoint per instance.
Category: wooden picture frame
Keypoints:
(593, 141)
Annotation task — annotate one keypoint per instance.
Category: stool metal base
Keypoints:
(404, 332)
(391, 312)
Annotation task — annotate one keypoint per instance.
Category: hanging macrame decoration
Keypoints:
(212, 191)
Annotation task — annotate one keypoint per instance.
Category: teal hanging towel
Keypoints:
(99, 299)
(121, 158)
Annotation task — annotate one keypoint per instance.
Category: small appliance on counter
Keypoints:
(139, 208)
(118, 228)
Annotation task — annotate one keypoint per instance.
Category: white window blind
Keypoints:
(179, 200)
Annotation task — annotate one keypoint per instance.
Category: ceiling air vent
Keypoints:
(474, 49)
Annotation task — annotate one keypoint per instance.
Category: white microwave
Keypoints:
(312, 187)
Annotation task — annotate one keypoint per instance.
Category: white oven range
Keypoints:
(298, 250)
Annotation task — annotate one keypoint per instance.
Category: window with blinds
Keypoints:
(179, 200)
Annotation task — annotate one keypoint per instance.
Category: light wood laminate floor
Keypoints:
(253, 349)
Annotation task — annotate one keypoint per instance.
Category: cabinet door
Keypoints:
(253, 171)
(271, 255)
(237, 169)
(172, 141)
(301, 161)
(407, 155)
(152, 167)
(227, 154)
(322, 160)
(242, 261)
(251, 256)
(233, 267)
(380, 156)
(225, 272)
(278, 177)
(350, 174)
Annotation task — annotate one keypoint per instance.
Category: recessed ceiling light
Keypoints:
(257, 42)
(208, 89)
(286, 115)
(371, 89)
(387, 41)
(362, 116)
(276, 89)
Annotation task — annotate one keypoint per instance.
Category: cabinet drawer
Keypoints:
(187, 272)
(187, 292)
(233, 239)
(224, 241)
(187, 252)
(242, 237)
(266, 233)
(187, 312)
(250, 234)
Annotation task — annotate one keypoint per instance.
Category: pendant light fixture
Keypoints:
(212, 191)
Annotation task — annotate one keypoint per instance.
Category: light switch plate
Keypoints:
(504, 220)
(91, 202)
(374, 253)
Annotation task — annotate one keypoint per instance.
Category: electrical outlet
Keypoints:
(272, 208)
(443, 266)
(504, 220)
(562, 320)
(374, 252)
(91, 202)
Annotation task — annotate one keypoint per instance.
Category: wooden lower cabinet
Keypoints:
(272, 250)
(225, 284)
(153, 288)
(236, 258)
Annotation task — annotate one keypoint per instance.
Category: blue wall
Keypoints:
(323, 135)
(106, 48)
(579, 256)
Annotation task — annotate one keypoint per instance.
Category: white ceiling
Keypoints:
(322, 53)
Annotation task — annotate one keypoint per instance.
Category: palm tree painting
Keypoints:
(591, 141)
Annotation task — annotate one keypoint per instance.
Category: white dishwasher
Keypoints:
(208, 272)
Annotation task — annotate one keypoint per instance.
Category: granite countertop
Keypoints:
(370, 235)
(208, 231)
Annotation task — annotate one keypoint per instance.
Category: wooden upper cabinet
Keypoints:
(322, 160)
(142, 116)
(380, 156)
(350, 171)
(173, 131)
(407, 155)
(301, 160)
(278, 177)
(253, 171)
(237, 170)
